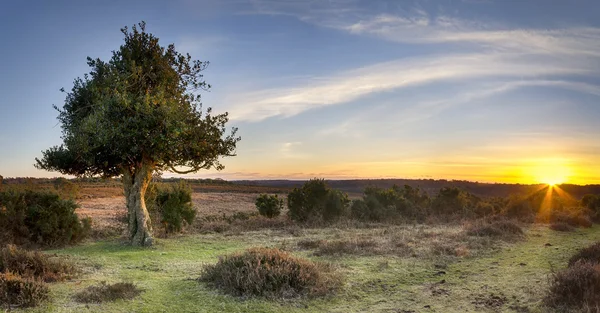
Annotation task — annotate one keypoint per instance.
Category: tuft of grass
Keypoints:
(107, 292)
(353, 246)
(17, 291)
(34, 264)
(271, 273)
(589, 254)
(561, 226)
(577, 286)
(503, 229)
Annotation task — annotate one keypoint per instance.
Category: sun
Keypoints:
(551, 171)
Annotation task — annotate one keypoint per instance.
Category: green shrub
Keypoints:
(315, 201)
(173, 205)
(589, 254)
(269, 205)
(271, 273)
(389, 204)
(106, 292)
(34, 264)
(39, 217)
(17, 291)
(576, 287)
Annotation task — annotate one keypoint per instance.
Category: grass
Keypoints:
(513, 277)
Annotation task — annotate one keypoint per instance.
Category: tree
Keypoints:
(135, 115)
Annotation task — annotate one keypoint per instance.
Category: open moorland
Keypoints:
(431, 265)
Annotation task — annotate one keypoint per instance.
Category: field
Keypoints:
(403, 268)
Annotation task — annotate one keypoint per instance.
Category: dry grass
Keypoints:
(105, 292)
(17, 291)
(271, 273)
(503, 229)
(34, 264)
(561, 226)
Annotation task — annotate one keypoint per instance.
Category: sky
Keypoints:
(481, 90)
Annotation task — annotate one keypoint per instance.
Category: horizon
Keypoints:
(480, 91)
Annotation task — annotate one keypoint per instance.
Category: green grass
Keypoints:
(516, 274)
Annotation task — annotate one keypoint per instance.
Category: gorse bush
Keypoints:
(269, 205)
(315, 201)
(271, 273)
(17, 291)
(34, 264)
(40, 218)
(388, 204)
(172, 205)
(107, 292)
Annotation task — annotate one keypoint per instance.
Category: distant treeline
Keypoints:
(432, 186)
(352, 186)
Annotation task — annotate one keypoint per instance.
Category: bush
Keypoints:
(389, 204)
(271, 273)
(576, 217)
(173, 205)
(269, 205)
(34, 264)
(315, 201)
(17, 291)
(105, 292)
(39, 217)
(498, 228)
(578, 286)
(590, 254)
(561, 226)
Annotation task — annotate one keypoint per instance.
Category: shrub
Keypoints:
(105, 292)
(34, 264)
(561, 226)
(578, 286)
(66, 188)
(271, 273)
(17, 291)
(590, 254)
(576, 217)
(39, 217)
(315, 201)
(173, 205)
(498, 228)
(269, 205)
(380, 204)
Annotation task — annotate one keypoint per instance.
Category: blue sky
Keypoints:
(481, 90)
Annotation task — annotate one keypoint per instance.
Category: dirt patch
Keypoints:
(108, 213)
(490, 301)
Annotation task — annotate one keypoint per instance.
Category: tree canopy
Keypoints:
(138, 113)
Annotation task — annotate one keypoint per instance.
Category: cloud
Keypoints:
(351, 85)
(518, 58)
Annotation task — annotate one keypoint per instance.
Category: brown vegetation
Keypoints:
(34, 264)
(17, 291)
(271, 273)
(107, 292)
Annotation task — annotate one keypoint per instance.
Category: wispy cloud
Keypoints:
(351, 85)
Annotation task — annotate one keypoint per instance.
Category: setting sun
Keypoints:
(551, 171)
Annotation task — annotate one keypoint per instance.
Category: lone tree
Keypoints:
(137, 114)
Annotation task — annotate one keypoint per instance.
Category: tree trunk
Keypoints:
(135, 184)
